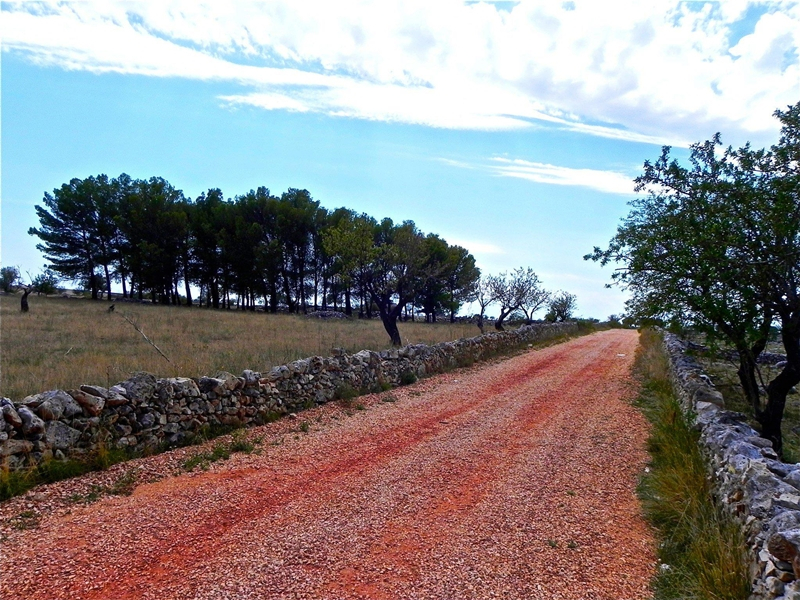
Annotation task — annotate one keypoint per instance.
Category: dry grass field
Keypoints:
(63, 343)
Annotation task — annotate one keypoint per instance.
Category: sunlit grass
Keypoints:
(64, 343)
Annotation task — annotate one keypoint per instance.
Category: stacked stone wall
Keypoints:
(760, 492)
(145, 413)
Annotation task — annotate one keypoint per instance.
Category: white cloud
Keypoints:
(604, 181)
(624, 71)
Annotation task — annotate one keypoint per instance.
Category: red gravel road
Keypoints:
(508, 480)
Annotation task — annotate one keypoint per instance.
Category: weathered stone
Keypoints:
(251, 378)
(92, 404)
(118, 389)
(786, 576)
(212, 384)
(115, 399)
(95, 390)
(774, 586)
(111, 396)
(140, 387)
(31, 424)
(793, 478)
(231, 381)
(122, 430)
(61, 436)
(50, 410)
(147, 420)
(11, 447)
(10, 414)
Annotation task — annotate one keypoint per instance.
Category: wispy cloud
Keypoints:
(635, 73)
(603, 181)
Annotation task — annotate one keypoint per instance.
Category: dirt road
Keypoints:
(509, 480)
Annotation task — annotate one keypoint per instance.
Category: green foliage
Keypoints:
(702, 549)
(715, 245)
(220, 451)
(9, 277)
(561, 306)
(46, 282)
(344, 391)
(17, 482)
(145, 233)
(267, 416)
(241, 443)
(408, 377)
(519, 290)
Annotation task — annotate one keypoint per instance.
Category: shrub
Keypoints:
(9, 276)
(408, 377)
(345, 392)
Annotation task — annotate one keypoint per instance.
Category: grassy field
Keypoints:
(63, 343)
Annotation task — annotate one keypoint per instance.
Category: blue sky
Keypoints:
(513, 129)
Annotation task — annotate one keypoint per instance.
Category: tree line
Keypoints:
(287, 251)
(715, 245)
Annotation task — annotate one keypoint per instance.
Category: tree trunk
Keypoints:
(772, 416)
(108, 282)
(389, 316)
(748, 379)
(23, 303)
(498, 324)
(348, 309)
(390, 324)
(214, 291)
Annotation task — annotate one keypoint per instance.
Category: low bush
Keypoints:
(408, 377)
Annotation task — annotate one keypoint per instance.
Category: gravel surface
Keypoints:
(514, 479)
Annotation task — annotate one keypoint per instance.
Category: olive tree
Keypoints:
(519, 290)
(561, 306)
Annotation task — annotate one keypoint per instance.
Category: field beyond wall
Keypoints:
(64, 343)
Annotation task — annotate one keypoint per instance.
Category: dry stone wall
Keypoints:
(145, 413)
(760, 492)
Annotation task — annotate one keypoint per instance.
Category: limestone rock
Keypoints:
(60, 435)
(92, 404)
(212, 384)
(147, 420)
(111, 396)
(251, 378)
(232, 382)
(706, 394)
(10, 413)
(31, 424)
(11, 447)
(140, 387)
(50, 410)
